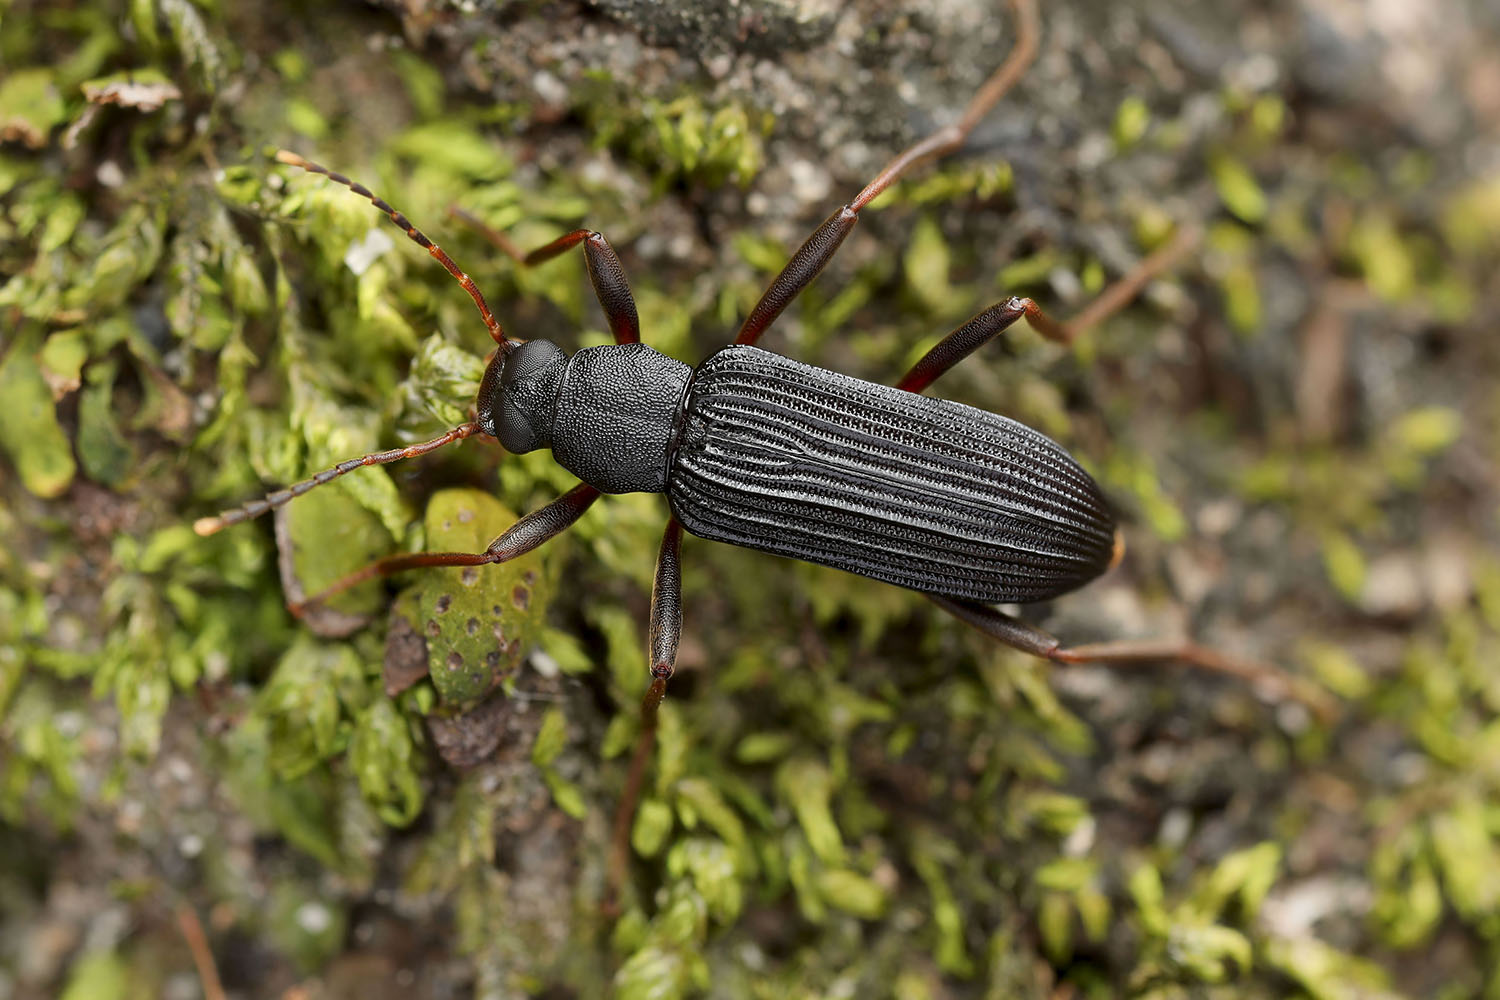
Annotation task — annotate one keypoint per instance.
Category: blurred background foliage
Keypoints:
(851, 795)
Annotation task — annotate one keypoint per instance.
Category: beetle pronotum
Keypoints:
(970, 508)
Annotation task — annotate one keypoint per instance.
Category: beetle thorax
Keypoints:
(608, 413)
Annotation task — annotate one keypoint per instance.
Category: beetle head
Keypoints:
(518, 396)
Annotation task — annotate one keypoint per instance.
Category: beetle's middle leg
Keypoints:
(530, 532)
(978, 331)
(812, 256)
(1015, 633)
(661, 646)
(975, 334)
(611, 287)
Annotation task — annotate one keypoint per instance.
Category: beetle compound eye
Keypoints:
(514, 430)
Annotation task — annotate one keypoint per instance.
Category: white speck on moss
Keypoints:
(362, 253)
(314, 918)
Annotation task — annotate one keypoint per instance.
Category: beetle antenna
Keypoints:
(255, 508)
(417, 236)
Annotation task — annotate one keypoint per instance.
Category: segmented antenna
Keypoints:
(255, 508)
(417, 236)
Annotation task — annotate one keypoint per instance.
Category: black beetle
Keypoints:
(758, 450)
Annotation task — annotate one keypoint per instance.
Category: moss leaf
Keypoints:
(30, 432)
(1238, 189)
(852, 892)
(807, 786)
(384, 760)
(30, 105)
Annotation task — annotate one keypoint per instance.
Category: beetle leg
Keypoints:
(661, 644)
(1274, 682)
(666, 617)
(530, 532)
(813, 255)
(611, 287)
(977, 332)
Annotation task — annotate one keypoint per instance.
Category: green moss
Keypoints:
(949, 183)
(31, 105)
(1383, 257)
(1324, 971)
(1135, 474)
(852, 892)
(98, 975)
(1471, 217)
(304, 925)
(1238, 189)
(329, 535)
(926, 263)
(1345, 564)
(1132, 118)
(683, 137)
(1268, 116)
(310, 703)
(384, 759)
(30, 432)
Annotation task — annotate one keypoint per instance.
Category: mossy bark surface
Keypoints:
(850, 794)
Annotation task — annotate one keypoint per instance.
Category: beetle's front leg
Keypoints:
(661, 646)
(530, 532)
(607, 274)
(1274, 682)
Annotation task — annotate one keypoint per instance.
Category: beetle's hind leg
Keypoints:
(1268, 679)
(661, 646)
(530, 532)
(611, 287)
